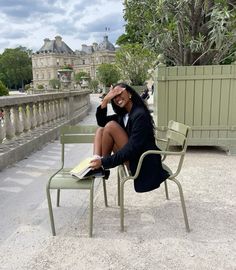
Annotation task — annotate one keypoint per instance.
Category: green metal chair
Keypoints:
(62, 178)
(177, 134)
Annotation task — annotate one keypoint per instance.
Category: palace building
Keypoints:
(56, 54)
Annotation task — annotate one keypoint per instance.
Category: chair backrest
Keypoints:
(178, 134)
(75, 134)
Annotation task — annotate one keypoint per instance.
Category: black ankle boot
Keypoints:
(106, 174)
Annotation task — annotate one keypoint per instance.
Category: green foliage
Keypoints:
(79, 76)
(185, 32)
(93, 85)
(16, 67)
(27, 87)
(68, 66)
(133, 62)
(40, 86)
(55, 83)
(108, 74)
(3, 90)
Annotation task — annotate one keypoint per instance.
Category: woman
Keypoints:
(128, 134)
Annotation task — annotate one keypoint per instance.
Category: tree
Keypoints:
(133, 62)
(55, 83)
(16, 67)
(108, 74)
(93, 85)
(79, 76)
(3, 90)
(186, 32)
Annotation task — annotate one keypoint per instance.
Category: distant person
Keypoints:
(1, 115)
(152, 88)
(145, 94)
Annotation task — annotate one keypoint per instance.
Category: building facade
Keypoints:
(56, 54)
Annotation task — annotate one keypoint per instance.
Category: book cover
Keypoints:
(83, 170)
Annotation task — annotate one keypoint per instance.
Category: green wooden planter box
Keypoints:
(203, 97)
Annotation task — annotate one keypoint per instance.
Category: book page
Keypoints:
(81, 167)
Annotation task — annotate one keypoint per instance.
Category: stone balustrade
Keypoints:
(31, 121)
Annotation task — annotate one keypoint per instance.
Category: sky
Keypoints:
(28, 22)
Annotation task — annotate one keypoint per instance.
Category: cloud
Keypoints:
(14, 35)
(25, 9)
(28, 22)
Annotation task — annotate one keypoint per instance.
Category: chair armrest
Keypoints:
(161, 140)
(157, 152)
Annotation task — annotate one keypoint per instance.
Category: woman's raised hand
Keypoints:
(113, 92)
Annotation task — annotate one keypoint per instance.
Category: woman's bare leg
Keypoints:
(114, 138)
(97, 144)
(110, 138)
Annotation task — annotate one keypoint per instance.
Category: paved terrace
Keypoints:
(154, 237)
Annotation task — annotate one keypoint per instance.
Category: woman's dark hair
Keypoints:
(136, 99)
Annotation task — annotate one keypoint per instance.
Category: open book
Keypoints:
(83, 170)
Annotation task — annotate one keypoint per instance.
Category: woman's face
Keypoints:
(123, 100)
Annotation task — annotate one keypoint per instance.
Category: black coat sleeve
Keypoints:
(103, 118)
(139, 134)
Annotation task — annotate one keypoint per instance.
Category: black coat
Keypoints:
(141, 138)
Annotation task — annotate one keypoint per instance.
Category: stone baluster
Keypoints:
(50, 114)
(62, 108)
(53, 110)
(67, 108)
(38, 111)
(32, 116)
(35, 113)
(17, 121)
(44, 113)
(10, 129)
(25, 118)
(57, 109)
(2, 130)
(47, 111)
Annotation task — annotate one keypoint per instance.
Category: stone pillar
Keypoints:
(10, 129)
(2, 130)
(17, 121)
(32, 116)
(44, 113)
(25, 118)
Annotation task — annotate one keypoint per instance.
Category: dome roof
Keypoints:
(106, 45)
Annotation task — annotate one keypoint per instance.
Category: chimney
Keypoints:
(58, 40)
(46, 40)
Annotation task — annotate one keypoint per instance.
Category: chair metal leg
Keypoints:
(166, 190)
(105, 191)
(118, 187)
(58, 197)
(121, 206)
(182, 203)
(50, 211)
(91, 211)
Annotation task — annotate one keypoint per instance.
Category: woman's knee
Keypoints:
(99, 131)
(111, 126)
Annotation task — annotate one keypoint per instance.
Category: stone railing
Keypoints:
(30, 121)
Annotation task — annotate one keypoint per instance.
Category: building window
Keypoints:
(83, 62)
